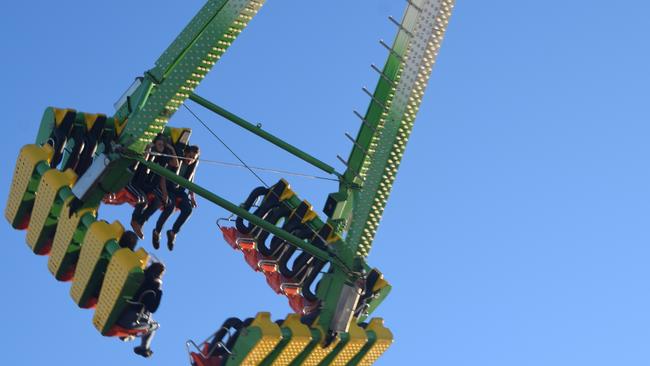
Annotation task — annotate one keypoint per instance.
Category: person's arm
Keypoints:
(173, 160)
(191, 179)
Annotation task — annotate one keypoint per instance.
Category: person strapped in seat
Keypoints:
(165, 156)
(178, 196)
(138, 314)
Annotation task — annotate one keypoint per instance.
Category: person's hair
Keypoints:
(160, 137)
(194, 149)
(128, 240)
(155, 270)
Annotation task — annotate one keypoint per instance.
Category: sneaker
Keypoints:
(144, 352)
(171, 237)
(137, 229)
(155, 239)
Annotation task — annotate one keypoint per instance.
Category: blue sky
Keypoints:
(517, 232)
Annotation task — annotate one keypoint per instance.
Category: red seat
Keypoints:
(118, 331)
(259, 263)
(124, 196)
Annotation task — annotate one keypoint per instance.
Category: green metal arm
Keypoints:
(182, 67)
(229, 206)
(388, 123)
(257, 130)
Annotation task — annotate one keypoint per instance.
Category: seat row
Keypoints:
(260, 341)
(81, 248)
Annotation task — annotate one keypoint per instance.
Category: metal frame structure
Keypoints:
(353, 212)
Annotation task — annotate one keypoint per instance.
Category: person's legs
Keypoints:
(186, 211)
(169, 209)
(147, 338)
(137, 212)
(150, 210)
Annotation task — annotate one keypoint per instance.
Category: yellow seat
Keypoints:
(257, 341)
(98, 245)
(31, 159)
(68, 238)
(314, 354)
(351, 344)
(123, 278)
(380, 338)
(47, 207)
(299, 340)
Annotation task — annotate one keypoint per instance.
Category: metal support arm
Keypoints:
(292, 239)
(263, 134)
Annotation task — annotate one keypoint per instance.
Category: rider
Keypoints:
(187, 170)
(165, 156)
(137, 316)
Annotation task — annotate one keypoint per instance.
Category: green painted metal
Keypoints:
(74, 248)
(257, 130)
(355, 210)
(388, 122)
(184, 65)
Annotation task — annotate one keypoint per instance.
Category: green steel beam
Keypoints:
(182, 67)
(235, 209)
(388, 123)
(257, 130)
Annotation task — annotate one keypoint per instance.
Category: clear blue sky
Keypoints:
(517, 233)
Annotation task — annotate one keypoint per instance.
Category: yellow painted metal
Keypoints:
(176, 133)
(310, 214)
(300, 338)
(30, 156)
(356, 339)
(287, 193)
(51, 184)
(99, 233)
(380, 284)
(65, 231)
(125, 272)
(270, 337)
(59, 115)
(90, 120)
(318, 354)
(384, 339)
(119, 125)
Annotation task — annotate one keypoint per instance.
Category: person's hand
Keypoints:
(193, 202)
(165, 198)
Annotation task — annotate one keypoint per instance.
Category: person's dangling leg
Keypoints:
(144, 349)
(185, 207)
(136, 219)
(169, 209)
(186, 210)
